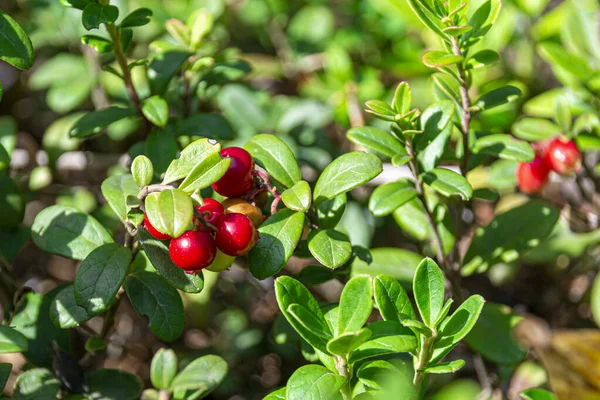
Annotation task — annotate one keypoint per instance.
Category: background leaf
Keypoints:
(15, 46)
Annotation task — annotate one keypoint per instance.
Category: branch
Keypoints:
(466, 104)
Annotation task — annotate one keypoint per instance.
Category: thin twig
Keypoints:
(146, 190)
(466, 105)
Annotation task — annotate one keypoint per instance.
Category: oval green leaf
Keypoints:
(275, 156)
(297, 197)
(375, 139)
(330, 247)
(448, 183)
(388, 197)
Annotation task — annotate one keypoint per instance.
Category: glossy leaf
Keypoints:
(208, 171)
(93, 122)
(95, 14)
(346, 173)
(402, 98)
(158, 254)
(481, 59)
(68, 232)
(428, 287)
(99, 43)
(389, 196)
(308, 323)
(100, 277)
(153, 297)
(314, 382)
(509, 235)
(498, 97)
(15, 46)
(170, 211)
(435, 122)
(192, 155)
(163, 68)
(375, 139)
(297, 197)
(36, 383)
(330, 247)
(400, 264)
(444, 368)
(203, 375)
(11, 340)
(64, 310)
(387, 337)
(427, 17)
(356, 304)
(275, 157)
(156, 110)
(504, 146)
(139, 17)
(116, 189)
(331, 212)
(439, 59)
(276, 395)
(391, 299)
(142, 171)
(345, 343)
(448, 183)
(279, 236)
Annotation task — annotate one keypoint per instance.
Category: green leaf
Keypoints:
(279, 236)
(378, 374)
(563, 116)
(8, 139)
(428, 287)
(309, 323)
(556, 55)
(315, 275)
(375, 139)
(492, 337)
(142, 170)
(498, 97)
(356, 304)
(15, 46)
(65, 312)
(481, 59)
(331, 212)
(535, 129)
(206, 125)
(190, 156)
(388, 197)
(454, 328)
(345, 343)
(346, 173)
(444, 368)
(314, 382)
(116, 189)
(402, 98)
(388, 337)
(448, 183)
(5, 369)
(391, 299)
(156, 110)
(202, 25)
(95, 121)
(163, 68)
(139, 17)
(537, 394)
(330, 247)
(203, 374)
(32, 319)
(170, 211)
(100, 276)
(417, 326)
(276, 395)
(102, 45)
(158, 254)
(153, 297)
(400, 264)
(114, 384)
(95, 14)
(509, 235)
(595, 300)
(504, 146)
(456, 31)
(447, 87)
(11, 340)
(208, 171)
(12, 203)
(297, 197)
(439, 59)
(68, 232)
(289, 291)
(381, 110)
(435, 122)
(275, 157)
(427, 17)
(36, 383)
(163, 368)
(482, 20)
(40, 178)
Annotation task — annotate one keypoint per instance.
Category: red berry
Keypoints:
(215, 212)
(238, 179)
(193, 250)
(156, 234)
(236, 235)
(532, 176)
(563, 156)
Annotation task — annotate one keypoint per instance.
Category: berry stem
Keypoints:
(200, 216)
(270, 188)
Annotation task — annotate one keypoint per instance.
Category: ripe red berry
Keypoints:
(563, 156)
(532, 176)
(215, 211)
(156, 234)
(238, 179)
(236, 235)
(193, 250)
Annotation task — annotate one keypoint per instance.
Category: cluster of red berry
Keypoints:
(558, 155)
(222, 231)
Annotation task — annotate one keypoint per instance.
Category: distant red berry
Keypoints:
(215, 211)
(563, 156)
(236, 235)
(156, 234)
(193, 250)
(238, 179)
(532, 176)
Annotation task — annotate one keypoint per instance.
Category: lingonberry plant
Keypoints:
(255, 233)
